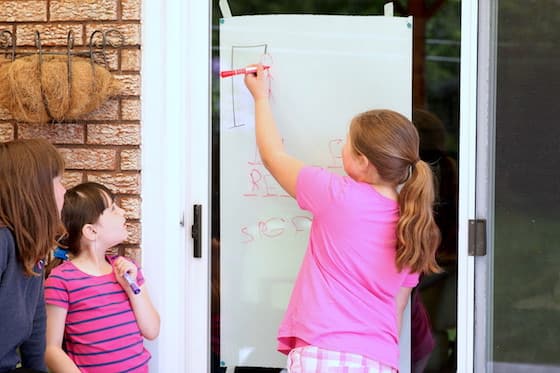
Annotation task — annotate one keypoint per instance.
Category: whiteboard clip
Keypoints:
(388, 9)
(224, 7)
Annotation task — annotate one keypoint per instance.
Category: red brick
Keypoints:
(134, 232)
(113, 134)
(23, 11)
(51, 34)
(130, 60)
(89, 158)
(119, 183)
(72, 178)
(131, 9)
(130, 159)
(130, 84)
(131, 109)
(57, 133)
(80, 10)
(131, 205)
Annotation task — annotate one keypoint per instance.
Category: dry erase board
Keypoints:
(324, 70)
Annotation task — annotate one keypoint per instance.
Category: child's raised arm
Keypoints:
(56, 358)
(281, 165)
(146, 315)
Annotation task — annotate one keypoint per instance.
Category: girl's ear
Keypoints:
(363, 162)
(370, 170)
(89, 232)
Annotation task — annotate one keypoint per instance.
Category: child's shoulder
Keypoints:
(62, 269)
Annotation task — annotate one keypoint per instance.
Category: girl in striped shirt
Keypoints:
(96, 320)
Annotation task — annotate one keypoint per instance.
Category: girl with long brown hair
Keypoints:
(31, 197)
(373, 233)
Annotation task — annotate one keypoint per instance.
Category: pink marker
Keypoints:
(244, 71)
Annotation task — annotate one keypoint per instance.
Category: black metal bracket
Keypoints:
(99, 41)
(196, 231)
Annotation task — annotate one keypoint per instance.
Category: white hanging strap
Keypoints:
(388, 9)
(224, 7)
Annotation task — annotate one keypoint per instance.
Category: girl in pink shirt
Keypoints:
(97, 305)
(373, 233)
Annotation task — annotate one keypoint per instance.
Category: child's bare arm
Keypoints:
(56, 358)
(146, 315)
(281, 165)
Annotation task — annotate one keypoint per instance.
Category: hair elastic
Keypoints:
(61, 253)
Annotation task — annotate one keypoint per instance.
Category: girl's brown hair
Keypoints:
(27, 201)
(390, 142)
(83, 204)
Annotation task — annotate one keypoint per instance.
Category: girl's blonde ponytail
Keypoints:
(417, 233)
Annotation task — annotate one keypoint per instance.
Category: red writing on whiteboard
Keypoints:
(262, 184)
(275, 227)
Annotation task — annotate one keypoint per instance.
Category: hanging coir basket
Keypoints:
(41, 87)
(35, 91)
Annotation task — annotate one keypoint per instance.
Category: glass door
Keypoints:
(436, 69)
(517, 284)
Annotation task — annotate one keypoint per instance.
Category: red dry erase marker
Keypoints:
(245, 70)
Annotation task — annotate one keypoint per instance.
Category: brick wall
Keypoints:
(104, 146)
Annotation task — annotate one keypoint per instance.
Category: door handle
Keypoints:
(196, 231)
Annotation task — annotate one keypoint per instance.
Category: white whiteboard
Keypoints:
(325, 69)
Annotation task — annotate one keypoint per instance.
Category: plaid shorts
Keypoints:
(312, 359)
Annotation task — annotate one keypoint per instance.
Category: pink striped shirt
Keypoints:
(101, 333)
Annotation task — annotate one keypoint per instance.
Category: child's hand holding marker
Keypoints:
(126, 273)
(132, 283)
(257, 81)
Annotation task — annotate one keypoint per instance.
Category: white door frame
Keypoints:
(176, 124)
(467, 178)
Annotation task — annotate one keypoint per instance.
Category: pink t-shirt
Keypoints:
(101, 333)
(344, 295)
